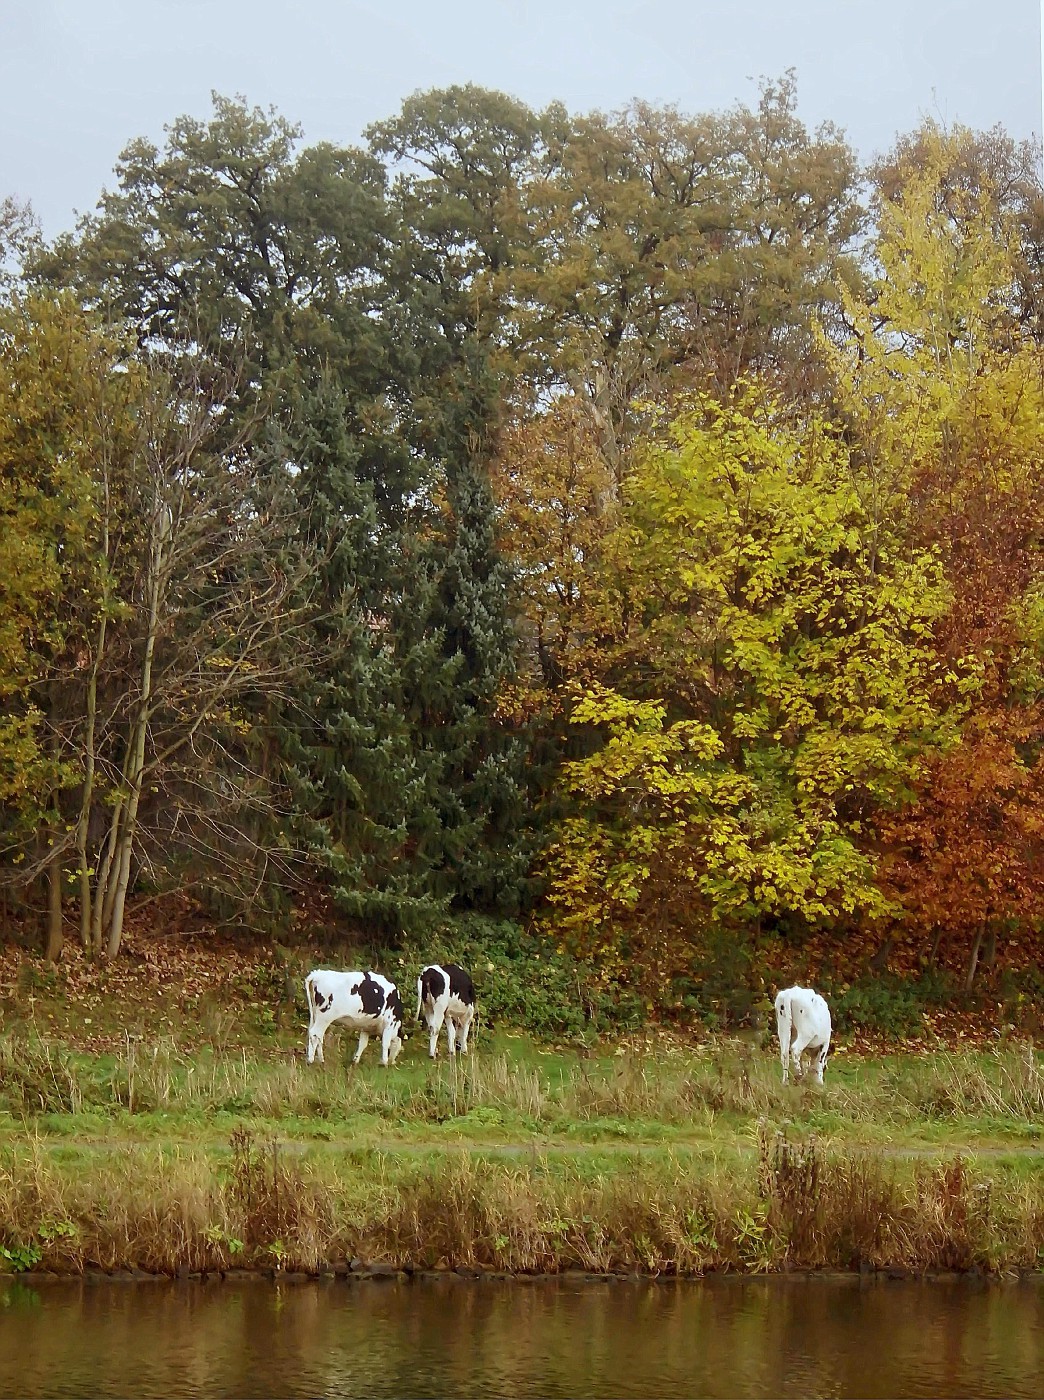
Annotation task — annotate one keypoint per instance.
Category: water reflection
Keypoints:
(823, 1336)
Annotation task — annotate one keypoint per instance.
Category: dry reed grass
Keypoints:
(1008, 1084)
(258, 1205)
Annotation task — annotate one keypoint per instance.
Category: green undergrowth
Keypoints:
(524, 979)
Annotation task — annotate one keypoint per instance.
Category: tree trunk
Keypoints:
(991, 948)
(936, 941)
(123, 868)
(103, 882)
(879, 962)
(135, 770)
(973, 961)
(87, 796)
(53, 949)
(54, 938)
(124, 843)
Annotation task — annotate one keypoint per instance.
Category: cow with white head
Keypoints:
(802, 1023)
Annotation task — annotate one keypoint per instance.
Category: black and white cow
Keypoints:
(446, 994)
(364, 1001)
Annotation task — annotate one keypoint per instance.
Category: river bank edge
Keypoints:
(380, 1272)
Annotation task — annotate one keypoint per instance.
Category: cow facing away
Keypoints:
(446, 995)
(803, 1023)
(363, 1001)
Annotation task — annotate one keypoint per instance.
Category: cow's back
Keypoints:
(355, 997)
(811, 1014)
(461, 986)
(445, 980)
(324, 989)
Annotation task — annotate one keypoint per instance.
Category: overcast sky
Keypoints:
(80, 78)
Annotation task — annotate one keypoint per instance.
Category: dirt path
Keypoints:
(536, 1147)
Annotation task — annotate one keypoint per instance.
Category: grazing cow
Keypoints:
(803, 1023)
(446, 993)
(365, 1001)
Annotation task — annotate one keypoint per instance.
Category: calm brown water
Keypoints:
(826, 1336)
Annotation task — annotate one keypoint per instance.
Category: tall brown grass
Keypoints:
(1008, 1084)
(40, 1076)
(794, 1202)
(261, 1204)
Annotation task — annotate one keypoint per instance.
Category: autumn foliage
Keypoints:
(805, 645)
(616, 523)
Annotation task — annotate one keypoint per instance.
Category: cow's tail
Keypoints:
(310, 994)
(420, 993)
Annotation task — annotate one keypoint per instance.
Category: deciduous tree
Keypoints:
(770, 685)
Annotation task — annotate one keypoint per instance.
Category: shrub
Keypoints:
(723, 989)
(886, 1002)
(1022, 999)
(522, 979)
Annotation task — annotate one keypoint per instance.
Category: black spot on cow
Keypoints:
(433, 984)
(394, 1004)
(371, 994)
(461, 985)
(321, 1002)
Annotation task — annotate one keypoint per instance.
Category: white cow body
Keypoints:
(803, 1023)
(363, 1001)
(446, 995)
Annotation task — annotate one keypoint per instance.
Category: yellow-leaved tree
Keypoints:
(64, 419)
(770, 683)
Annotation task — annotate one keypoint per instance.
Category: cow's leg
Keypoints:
(798, 1046)
(821, 1059)
(316, 1031)
(438, 1013)
(451, 1034)
(784, 1029)
(469, 1016)
(387, 1036)
(364, 1040)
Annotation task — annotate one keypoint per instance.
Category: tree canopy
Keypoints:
(626, 523)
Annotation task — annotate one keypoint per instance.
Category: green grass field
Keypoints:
(511, 1091)
(645, 1154)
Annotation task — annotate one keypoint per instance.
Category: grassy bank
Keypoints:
(514, 1089)
(680, 1159)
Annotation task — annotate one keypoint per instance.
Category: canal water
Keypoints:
(800, 1336)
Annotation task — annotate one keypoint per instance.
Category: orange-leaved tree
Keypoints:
(946, 399)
